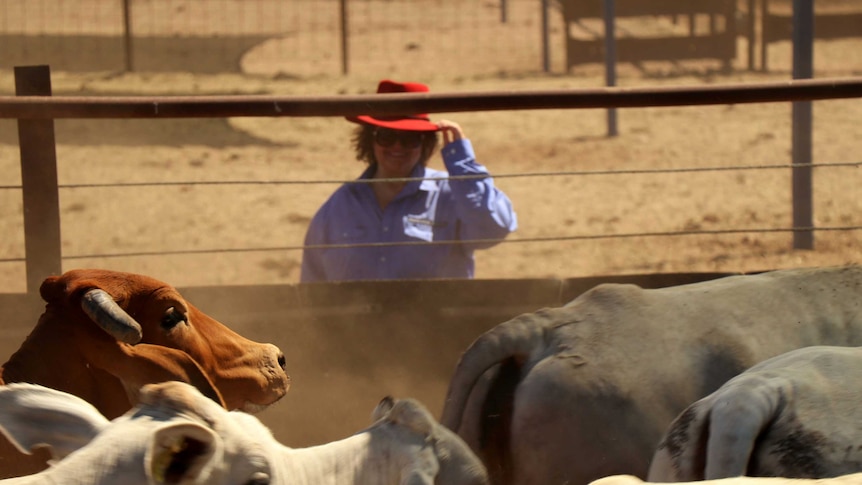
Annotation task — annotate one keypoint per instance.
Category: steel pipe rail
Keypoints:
(56, 107)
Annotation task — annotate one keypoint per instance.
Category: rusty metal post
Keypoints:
(39, 182)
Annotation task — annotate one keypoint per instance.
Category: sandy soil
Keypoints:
(521, 147)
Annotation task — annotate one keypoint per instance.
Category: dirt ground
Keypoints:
(532, 153)
(529, 151)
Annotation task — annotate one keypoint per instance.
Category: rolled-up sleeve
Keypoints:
(483, 210)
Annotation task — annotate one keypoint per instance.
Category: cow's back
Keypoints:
(622, 362)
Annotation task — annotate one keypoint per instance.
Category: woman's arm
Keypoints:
(484, 210)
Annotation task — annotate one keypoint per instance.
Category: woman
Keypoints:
(386, 227)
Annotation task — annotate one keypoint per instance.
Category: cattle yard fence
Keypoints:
(35, 110)
(840, 20)
(348, 344)
(715, 39)
(313, 37)
(303, 37)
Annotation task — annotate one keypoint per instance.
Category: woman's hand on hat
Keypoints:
(451, 131)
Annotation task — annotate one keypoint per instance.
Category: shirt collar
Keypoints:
(414, 185)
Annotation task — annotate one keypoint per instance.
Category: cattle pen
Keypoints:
(443, 316)
(36, 109)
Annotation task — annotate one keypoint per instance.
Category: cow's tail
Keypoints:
(516, 338)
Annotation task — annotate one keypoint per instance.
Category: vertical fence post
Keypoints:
(127, 36)
(503, 11)
(546, 34)
(39, 182)
(764, 34)
(751, 33)
(610, 59)
(344, 54)
(803, 68)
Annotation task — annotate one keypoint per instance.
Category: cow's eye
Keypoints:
(258, 478)
(172, 318)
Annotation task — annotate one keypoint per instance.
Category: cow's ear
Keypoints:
(185, 452)
(383, 408)
(51, 290)
(33, 416)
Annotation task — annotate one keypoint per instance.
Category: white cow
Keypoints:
(178, 436)
(573, 394)
(795, 415)
(853, 479)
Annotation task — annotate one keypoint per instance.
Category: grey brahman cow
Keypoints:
(796, 415)
(576, 393)
(176, 435)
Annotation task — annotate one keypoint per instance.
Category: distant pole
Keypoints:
(127, 35)
(764, 36)
(344, 53)
(503, 11)
(803, 68)
(610, 60)
(546, 56)
(751, 33)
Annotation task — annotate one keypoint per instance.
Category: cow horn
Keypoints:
(104, 311)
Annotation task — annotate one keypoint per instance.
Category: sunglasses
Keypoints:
(408, 139)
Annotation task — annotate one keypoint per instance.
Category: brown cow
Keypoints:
(144, 332)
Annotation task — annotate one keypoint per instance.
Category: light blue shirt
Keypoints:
(424, 211)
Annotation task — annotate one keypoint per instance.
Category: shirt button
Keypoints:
(385, 228)
(382, 259)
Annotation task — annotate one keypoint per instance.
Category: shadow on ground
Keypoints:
(212, 132)
(82, 53)
(148, 54)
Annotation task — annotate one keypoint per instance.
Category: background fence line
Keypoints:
(216, 36)
(335, 36)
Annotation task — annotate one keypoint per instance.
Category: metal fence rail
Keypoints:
(42, 107)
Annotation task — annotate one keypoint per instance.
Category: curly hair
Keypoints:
(363, 144)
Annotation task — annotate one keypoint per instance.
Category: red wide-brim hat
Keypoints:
(416, 122)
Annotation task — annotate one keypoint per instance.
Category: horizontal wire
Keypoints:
(477, 241)
(473, 241)
(475, 177)
(460, 177)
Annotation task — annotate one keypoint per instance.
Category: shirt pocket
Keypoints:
(352, 234)
(422, 226)
(419, 227)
